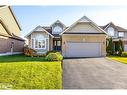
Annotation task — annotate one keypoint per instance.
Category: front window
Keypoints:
(40, 43)
(111, 31)
(121, 34)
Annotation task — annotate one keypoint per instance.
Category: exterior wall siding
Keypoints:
(2, 30)
(5, 45)
(84, 38)
(125, 42)
(125, 34)
(83, 28)
(9, 21)
(50, 43)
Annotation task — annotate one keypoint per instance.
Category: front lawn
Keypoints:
(21, 72)
(118, 58)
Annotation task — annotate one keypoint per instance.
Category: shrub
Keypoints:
(52, 51)
(54, 57)
(29, 51)
(124, 54)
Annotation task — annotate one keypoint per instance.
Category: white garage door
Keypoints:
(83, 49)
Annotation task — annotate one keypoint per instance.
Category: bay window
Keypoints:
(38, 41)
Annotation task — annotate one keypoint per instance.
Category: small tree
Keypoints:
(110, 47)
(120, 47)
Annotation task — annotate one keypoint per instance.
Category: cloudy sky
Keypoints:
(31, 16)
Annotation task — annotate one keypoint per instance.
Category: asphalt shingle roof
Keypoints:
(120, 29)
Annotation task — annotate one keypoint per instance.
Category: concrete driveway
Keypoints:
(94, 73)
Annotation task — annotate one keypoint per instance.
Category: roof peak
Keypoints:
(58, 21)
(111, 23)
(84, 19)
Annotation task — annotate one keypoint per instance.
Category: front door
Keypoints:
(12, 47)
(57, 45)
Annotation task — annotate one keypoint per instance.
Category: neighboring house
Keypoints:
(10, 41)
(117, 33)
(83, 38)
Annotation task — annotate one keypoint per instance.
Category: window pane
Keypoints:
(111, 31)
(58, 43)
(32, 43)
(43, 43)
(55, 43)
(39, 44)
(121, 34)
(36, 44)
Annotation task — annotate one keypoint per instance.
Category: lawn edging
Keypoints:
(118, 59)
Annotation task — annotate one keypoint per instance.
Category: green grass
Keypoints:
(119, 59)
(21, 72)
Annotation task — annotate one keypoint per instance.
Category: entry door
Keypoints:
(57, 45)
(12, 47)
(74, 49)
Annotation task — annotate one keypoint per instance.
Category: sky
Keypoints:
(29, 17)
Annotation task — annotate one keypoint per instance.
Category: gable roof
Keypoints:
(118, 28)
(10, 35)
(14, 17)
(57, 21)
(86, 20)
(5, 27)
(11, 11)
(39, 28)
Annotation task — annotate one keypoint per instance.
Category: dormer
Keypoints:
(57, 27)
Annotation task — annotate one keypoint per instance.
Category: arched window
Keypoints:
(57, 29)
(111, 31)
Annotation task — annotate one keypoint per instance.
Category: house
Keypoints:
(10, 40)
(83, 38)
(117, 33)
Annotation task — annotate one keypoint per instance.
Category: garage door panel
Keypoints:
(74, 49)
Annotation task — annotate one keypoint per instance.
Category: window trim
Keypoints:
(40, 39)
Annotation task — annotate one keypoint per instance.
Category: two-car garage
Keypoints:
(82, 49)
(84, 39)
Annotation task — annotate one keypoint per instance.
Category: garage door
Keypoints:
(83, 49)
